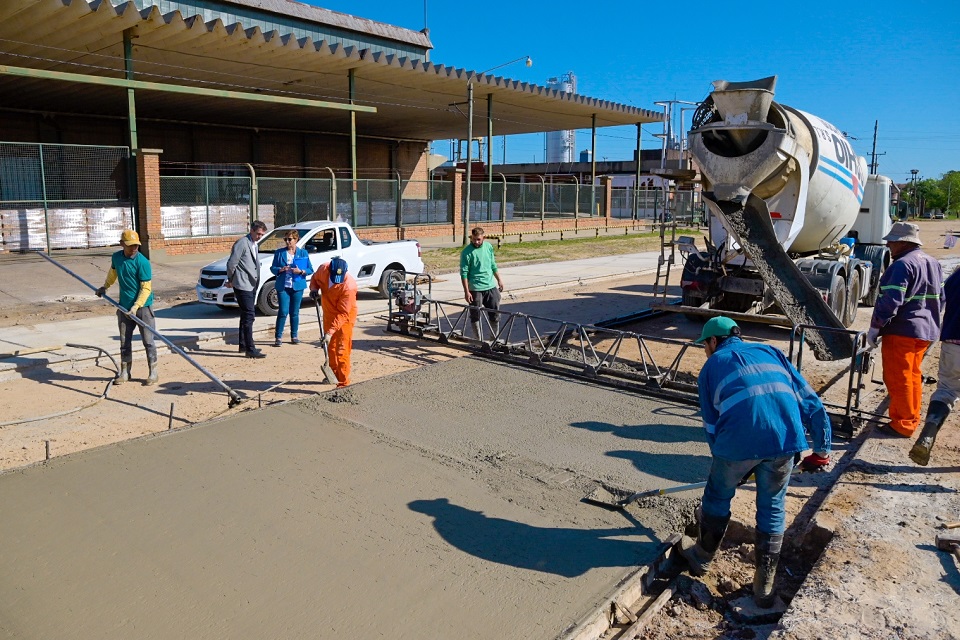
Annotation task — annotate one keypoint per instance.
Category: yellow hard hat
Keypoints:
(129, 237)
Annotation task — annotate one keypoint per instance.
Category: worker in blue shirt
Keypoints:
(754, 405)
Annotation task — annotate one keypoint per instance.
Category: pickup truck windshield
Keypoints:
(274, 240)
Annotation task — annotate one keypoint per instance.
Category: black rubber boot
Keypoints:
(768, 556)
(936, 414)
(124, 375)
(699, 553)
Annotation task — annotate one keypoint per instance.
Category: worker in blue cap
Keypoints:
(337, 290)
(754, 405)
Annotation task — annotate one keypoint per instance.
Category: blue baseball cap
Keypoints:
(338, 270)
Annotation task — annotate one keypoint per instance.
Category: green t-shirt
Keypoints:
(130, 273)
(477, 266)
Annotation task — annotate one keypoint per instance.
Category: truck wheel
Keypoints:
(267, 301)
(837, 297)
(390, 278)
(853, 300)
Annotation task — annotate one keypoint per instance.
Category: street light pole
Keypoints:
(916, 199)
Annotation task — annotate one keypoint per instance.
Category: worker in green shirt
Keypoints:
(132, 270)
(481, 281)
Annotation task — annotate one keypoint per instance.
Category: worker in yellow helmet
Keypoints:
(132, 270)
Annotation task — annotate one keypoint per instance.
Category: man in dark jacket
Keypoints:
(948, 378)
(907, 319)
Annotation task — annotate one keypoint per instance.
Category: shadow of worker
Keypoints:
(561, 551)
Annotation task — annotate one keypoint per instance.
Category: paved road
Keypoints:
(191, 323)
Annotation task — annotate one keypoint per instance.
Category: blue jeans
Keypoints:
(773, 476)
(289, 300)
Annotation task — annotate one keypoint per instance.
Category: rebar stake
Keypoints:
(170, 423)
(47, 444)
(259, 404)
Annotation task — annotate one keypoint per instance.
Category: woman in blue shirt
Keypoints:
(291, 266)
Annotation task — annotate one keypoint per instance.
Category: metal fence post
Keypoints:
(206, 192)
(503, 205)
(296, 206)
(332, 209)
(399, 201)
(46, 221)
(543, 203)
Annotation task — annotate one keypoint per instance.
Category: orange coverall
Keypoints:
(339, 303)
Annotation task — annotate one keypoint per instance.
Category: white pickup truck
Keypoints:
(373, 264)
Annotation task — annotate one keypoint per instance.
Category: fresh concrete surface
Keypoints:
(443, 502)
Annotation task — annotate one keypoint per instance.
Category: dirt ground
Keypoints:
(31, 422)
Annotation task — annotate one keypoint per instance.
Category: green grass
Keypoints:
(447, 260)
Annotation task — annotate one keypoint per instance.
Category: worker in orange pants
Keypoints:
(906, 321)
(337, 290)
(901, 357)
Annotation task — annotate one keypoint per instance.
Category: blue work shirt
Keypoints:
(755, 404)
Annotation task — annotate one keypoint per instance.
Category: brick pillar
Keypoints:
(607, 183)
(148, 203)
(456, 204)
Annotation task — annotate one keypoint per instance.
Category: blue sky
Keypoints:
(848, 63)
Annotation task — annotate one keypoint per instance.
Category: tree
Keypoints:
(950, 185)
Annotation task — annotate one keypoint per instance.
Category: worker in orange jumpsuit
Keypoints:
(337, 290)
(906, 321)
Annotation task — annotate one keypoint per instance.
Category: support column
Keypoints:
(490, 156)
(148, 218)
(352, 76)
(636, 181)
(593, 164)
(466, 205)
(132, 138)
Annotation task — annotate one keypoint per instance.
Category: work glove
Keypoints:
(314, 294)
(814, 462)
(101, 292)
(133, 310)
(873, 338)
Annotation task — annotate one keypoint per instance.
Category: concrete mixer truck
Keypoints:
(796, 224)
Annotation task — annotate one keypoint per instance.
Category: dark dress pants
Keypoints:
(248, 311)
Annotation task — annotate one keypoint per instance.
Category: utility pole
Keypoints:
(874, 167)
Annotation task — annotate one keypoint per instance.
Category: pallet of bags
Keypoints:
(175, 221)
(201, 217)
(23, 229)
(105, 224)
(68, 228)
(266, 214)
(234, 219)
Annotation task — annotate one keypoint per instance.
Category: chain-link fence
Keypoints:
(685, 206)
(194, 206)
(56, 196)
(296, 199)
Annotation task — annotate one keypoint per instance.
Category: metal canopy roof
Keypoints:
(413, 98)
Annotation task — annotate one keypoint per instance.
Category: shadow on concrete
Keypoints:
(681, 468)
(560, 551)
(646, 432)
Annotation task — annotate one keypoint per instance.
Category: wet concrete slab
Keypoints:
(437, 503)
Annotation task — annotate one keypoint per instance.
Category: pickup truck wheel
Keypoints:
(267, 301)
(389, 278)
